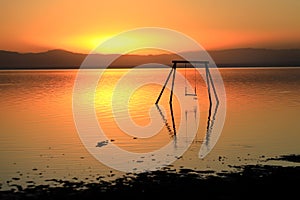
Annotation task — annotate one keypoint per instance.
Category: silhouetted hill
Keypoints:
(256, 57)
(49, 59)
(223, 58)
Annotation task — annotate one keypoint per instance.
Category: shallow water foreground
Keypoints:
(39, 141)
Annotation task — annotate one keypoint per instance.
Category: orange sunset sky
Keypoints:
(78, 26)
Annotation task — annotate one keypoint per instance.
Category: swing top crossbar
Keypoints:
(185, 61)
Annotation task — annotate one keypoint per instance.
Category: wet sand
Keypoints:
(243, 182)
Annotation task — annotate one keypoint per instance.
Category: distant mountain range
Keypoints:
(60, 59)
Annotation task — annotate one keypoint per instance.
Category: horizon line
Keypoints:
(210, 50)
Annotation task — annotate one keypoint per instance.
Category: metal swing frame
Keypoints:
(209, 80)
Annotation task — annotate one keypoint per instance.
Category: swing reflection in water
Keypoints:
(171, 132)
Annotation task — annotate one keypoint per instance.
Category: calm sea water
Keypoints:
(39, 139)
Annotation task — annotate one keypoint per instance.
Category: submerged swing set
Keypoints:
(209, 82)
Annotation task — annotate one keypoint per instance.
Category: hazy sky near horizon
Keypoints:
(34, 25)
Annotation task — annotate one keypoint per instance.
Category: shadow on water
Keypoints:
(212, 113)
(171, 130)
(210, 124)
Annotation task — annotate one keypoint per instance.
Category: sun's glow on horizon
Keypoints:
(85, 44)
(88, 43)
(35, 26)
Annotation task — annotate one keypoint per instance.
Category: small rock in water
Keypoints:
(102, 143)
(30, 182)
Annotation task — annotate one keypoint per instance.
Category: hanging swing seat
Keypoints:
(186, 93)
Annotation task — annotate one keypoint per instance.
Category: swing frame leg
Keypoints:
(210, 119)
(210, 83)
(173, 70)
(171, 95)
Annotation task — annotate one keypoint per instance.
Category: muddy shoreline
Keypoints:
(243, 182)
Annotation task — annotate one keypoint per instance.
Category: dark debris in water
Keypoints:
(249, 182)
(289, 158)
(102, 143)
(243, 182)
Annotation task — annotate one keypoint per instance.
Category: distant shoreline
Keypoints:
(60, 59)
